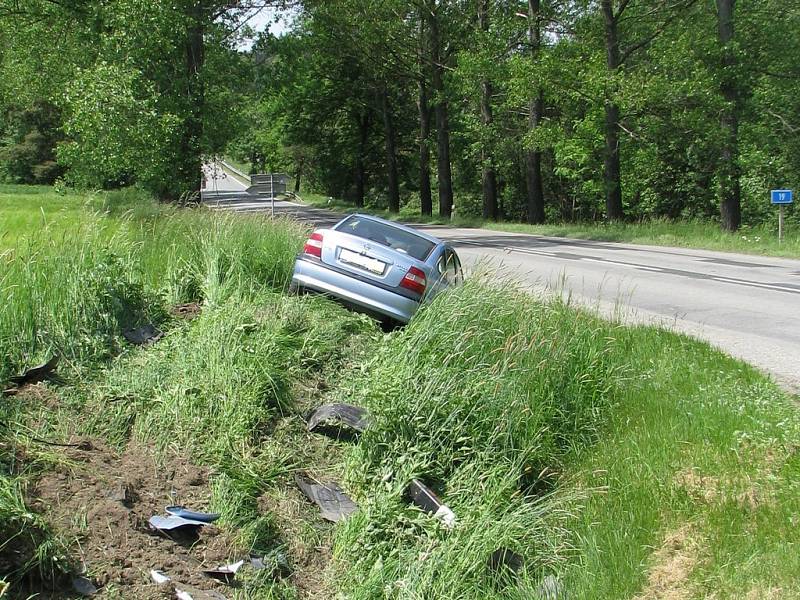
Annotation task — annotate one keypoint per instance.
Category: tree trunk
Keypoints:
(445, 182)
(533, 158)
(730, 185)
(361, 173)
(425, 200)
(190, 161)
(533, 168)
(391, 153)
(488, 175)
(611, 171)
(297, 177)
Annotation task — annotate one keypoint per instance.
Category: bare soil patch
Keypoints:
(102, 502)
(187, 311)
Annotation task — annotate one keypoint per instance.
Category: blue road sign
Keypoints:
(781, 196)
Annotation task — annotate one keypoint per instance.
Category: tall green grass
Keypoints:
(74, 289)
(483, 395)
(74, 281)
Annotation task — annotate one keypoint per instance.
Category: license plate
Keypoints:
(372, 265)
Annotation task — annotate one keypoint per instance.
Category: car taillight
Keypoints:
(414, 280)
(314, 245)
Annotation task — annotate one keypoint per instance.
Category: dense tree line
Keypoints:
(529, 110)
(535, 109)
(117, 92)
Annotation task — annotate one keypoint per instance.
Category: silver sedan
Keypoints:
(377, 266)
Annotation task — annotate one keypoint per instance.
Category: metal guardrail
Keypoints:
(233, 170)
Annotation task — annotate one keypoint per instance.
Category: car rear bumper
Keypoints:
(316, 276)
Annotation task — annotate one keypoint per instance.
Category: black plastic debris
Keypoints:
(334, 504)
(329, 418)
(423, 497)
(172, 523)
(144, 335)
(181, 511)
(504, 560)
(83, 586)
(37, 373)
(224, 572)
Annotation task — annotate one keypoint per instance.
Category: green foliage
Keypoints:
(115, 132)
(28, 155)
(130, 80)
(316, 84)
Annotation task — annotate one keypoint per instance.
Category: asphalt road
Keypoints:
(748, 306)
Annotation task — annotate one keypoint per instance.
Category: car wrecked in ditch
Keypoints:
(376, 266)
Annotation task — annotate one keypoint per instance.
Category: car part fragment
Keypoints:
(334, 504)
(171, 523)
(83, 586)
(181, 511)
(423, 497)
(144, 335)
(187, 592)
(159, 577)
(224, 572)
(332, 416)
(37, 373)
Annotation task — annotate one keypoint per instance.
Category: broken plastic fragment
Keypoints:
(83, 586)
(144, 335)
(159, 577)
(334, 504)
(172, 522)
(257, 562)
(446, 516)
(225, 572)
(336, 415)
(180, 511)
(422, 496)
(37, 373)
(187, 592)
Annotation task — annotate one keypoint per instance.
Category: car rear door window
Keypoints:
(393, 237)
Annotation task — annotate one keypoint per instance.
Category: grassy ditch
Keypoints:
(221, 395)
(621, 462)
(617, 462)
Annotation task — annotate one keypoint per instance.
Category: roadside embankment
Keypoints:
(599, 459)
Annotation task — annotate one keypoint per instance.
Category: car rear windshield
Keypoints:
(386, 235)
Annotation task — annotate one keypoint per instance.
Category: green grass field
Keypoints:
(761, 239)
(619, 462)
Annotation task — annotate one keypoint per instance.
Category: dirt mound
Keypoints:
(103, 501)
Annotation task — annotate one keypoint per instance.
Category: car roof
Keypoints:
(397, 225)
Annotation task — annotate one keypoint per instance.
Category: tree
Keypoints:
(488, 175)
(533, 157)
(729, 173)
(433, 14)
